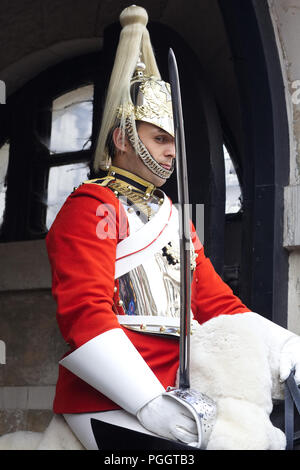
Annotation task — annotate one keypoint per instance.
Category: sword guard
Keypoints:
(203, 409)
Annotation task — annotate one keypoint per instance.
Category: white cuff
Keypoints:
(112, 365)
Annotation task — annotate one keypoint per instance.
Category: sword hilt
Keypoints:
(202, 408)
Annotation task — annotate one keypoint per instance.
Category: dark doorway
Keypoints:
(245, 248)
(264, 160)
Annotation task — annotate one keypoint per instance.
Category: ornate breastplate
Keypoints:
(150, 292)
(148, 295)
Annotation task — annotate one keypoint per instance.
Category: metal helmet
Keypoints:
(136, 93)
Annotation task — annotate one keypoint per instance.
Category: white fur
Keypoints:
(20, 440)
(242, 425)
(57, 436)
(231, 363)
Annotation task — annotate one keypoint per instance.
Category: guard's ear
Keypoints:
(119, 139)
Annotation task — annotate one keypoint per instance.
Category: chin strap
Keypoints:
(144, 154)
(292, 399)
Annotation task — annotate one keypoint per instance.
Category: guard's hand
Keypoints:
(170, 419)
(290, 359)
(283, 345)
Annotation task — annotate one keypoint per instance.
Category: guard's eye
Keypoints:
(160, 138)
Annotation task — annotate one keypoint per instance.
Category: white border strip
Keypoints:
(149, 239)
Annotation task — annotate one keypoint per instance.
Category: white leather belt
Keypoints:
(152, 324)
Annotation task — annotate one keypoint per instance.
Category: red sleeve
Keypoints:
(81, 247)
(211, 296)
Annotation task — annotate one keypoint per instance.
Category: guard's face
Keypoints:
(158, 142)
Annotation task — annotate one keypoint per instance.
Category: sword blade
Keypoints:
(184, 225)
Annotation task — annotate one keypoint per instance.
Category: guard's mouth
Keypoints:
(166, 166)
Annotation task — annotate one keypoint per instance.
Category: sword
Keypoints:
(201, 406)
(184, 226)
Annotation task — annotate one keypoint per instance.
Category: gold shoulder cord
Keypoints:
(136, 198)
(100, 181)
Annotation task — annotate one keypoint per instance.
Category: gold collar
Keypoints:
(136, 182)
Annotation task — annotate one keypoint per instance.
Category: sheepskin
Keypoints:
(231, 363)
(57, 436)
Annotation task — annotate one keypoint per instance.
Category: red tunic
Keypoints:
(83, 286)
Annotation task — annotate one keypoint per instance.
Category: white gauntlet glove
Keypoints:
(284, 346)
(110, 363)
(168, 418)
(290, 359)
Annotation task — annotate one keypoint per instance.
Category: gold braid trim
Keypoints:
(134, 196)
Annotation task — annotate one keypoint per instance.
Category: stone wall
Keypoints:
(285, 15)
(33, 344)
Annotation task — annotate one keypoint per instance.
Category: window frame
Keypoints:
(28, 119)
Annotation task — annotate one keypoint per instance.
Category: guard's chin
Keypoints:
(160, 182)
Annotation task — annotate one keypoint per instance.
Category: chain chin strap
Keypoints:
(144, 155)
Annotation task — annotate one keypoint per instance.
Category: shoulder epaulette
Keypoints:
(100, 181)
